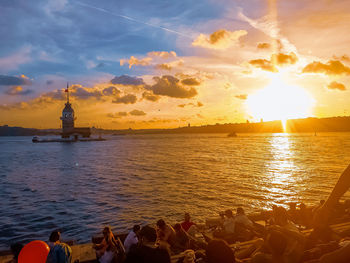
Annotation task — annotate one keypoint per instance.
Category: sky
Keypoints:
(164, 64)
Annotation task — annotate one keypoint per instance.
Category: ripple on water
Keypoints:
(139, 179)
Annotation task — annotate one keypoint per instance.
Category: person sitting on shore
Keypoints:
(110, 248)
(244, 227)
(147, 251)
(165, 234)
(15, 249)
(242, 218)
(228, 227)
(293, 212)
(182, 240)
(187, 223)
(305, 215)
(219, 251)
(274, 249)
(132, 238)
(60, 252)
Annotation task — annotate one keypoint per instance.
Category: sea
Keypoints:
(80, 187)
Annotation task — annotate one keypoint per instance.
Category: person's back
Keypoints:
(147, 252)
(218, 251)
(242, 218)
(131, 238)
(59, 252)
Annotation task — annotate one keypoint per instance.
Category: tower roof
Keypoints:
(68, 108)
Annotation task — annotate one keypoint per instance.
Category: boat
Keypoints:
(36, 139)
(232, 134)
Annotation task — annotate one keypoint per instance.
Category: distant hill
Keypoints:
(333, 124)
(19, 131)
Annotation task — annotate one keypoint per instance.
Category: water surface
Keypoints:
(79, 187)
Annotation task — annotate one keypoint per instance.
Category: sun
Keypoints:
(279, 101)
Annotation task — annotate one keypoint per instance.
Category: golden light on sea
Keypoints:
(280, 101)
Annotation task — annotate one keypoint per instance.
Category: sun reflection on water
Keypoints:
(280, 178)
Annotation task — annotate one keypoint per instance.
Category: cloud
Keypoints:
(242, 96)
(137, 113)
(170, 86)
(110, 91)
(164, 66)
(136, 62)
(126, 99)
(11, 81)
(150, 96)
(279, 59)
(169, 66)
(343, 57)
(221, 39)
(83, 93)
(269, 25)
(162, 54)
(18, 90)
(333, 67)
(284, 59)
(336, 85)
(117, 114)
(199, 104)
(127, 80)
(13, 61)
(264, 64)
(49, 82)
(190, 82)
(264, 46)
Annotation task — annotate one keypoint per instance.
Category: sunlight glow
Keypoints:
(279, 101)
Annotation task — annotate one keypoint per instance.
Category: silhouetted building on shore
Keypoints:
(68, 118)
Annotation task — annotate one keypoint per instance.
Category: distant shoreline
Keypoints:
(311, 125)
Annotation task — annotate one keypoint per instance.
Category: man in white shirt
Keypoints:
(132, 238)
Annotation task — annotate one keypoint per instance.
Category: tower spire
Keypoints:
(67, 92)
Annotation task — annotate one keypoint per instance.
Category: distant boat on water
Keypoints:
(232, 134)
(36, 139)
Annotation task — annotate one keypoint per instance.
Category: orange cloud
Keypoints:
(162, 54)
(279, 59)
(164, 66)
(126, 99)
(150, 96)
(190, 82)
(264, 64)
(137, 113)
(221, 39)
(136, 62)
(333, 67)
(117, 114)
(284, 59)
(336, 85)
(242, 96)
(264, 45)
(343, 57)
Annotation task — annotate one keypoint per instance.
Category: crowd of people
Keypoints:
(298, 234)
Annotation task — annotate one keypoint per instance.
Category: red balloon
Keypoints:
(34, 252)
